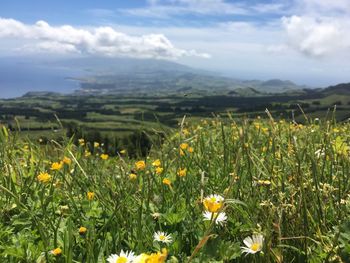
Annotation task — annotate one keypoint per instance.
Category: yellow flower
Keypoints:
(104, 156)
(96, 145)
(132, 176)
(184, 146)
(87, 154)
(90, 195)
(158, 257)
(123, 151)
(166, 181)
(56, 252)
(213, 203)
(263, 182)
(159, 170)
(56, 166)
(185, 132)
(82, 230)
(182, 152)
(182, 172)
(66, 160)
(140, 165)
(190, 150)
(81, 142)
(156, 163)
(265, 130)
(44, 178)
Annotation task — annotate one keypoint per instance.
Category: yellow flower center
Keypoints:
(162, 237)
(122, 260)
(212, 205)
(255, 246)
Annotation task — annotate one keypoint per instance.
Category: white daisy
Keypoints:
(220, 219)
(123, 257)
(253, 244)
(162, 237)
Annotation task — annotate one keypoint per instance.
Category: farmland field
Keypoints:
(116, 120)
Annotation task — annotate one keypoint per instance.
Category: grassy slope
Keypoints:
(273, 182)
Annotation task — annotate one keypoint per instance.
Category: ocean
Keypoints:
(18, 78)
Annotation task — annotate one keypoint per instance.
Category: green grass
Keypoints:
(287, 182)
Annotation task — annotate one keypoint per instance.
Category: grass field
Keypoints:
(210, 186)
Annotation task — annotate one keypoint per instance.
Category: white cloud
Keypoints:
(104, 41)
(323, 6)
(318, 36)
(168, 8)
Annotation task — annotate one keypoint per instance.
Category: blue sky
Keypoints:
(307, 41)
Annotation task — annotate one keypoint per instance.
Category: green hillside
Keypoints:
(208, 187)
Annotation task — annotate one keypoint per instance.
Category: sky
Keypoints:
(306, 41)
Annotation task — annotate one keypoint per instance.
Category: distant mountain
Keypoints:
(274, 86)
(245, 92)
(341, 89)
(121, 65)
(100, 75)
(117, 75)
(41, 94)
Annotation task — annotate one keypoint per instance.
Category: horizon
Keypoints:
(304, 41)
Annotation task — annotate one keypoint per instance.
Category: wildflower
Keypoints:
(185, 132)
(56, 166)
(265, 130)
(166, 181)
(44, 178)
(190, 149)
(63, 209)
(220, 219)
(156, 163)
(182, 172)
(158, 257)
(87, 154)
(182, 153)
(253, 244)
(184, 146)
(90, 195)
(56, 252)
(96, 144)
(132, 176)
(66, 160)
(263, 182)
(123, 151)
(104, 156)
(159, 170)
(213, 203)
(82, 230)
(123, 257)
(162, 237)
(140, 165)
(81, 142)
(156, 215)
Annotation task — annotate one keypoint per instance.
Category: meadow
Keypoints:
(216, 190)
